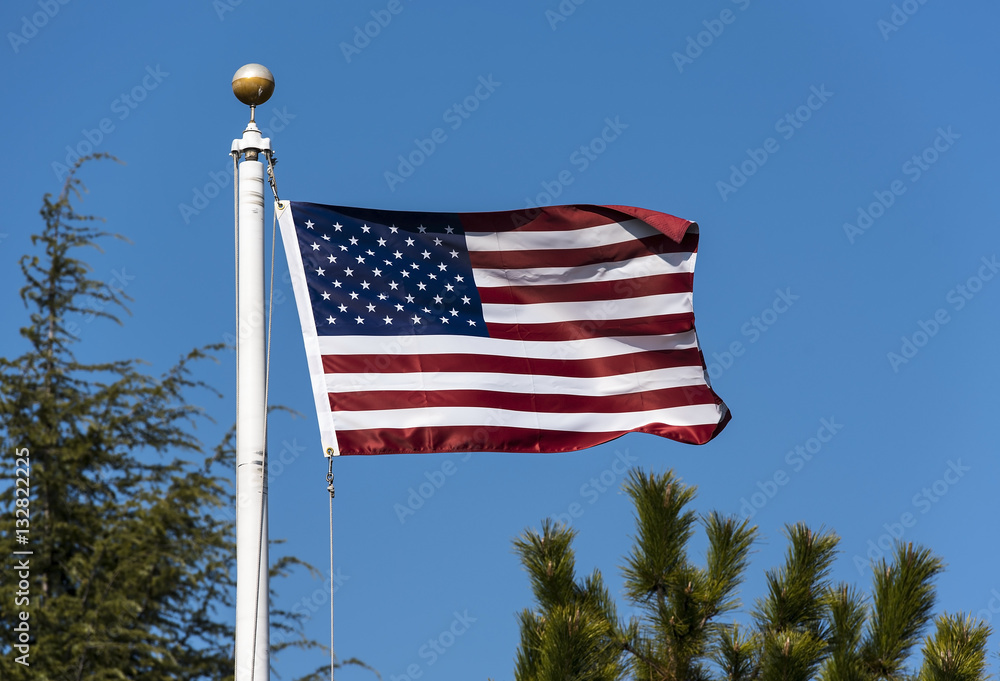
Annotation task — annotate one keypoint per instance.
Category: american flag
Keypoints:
(541, 330)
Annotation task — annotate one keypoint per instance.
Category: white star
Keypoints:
(361, 259)
(359, 320)
(342, 307)
(309, 224)
(325, 237)
(405, 273)
(465, 299)
(444, 320)
(326, 295)
(459, 278)
(426, 311)
(423, 230)
(331, 320)
(442, 267)
(409, 241)
(353, 240)
(453, 312)
(370, 252)
(472, 322)
(349, 272)
(454, 254)
(365, 228)
(414, 266)
(315, 246)
(371, 307)
(432, 276)
(437, 241)
(336, 284)
(394, 229)
(388, 320)
(426, 254)
(381, 241)
(382, 296)
(353, 295)
(393, 285)
(331, 258)
(343, 248)
(337, 226)
(449, 230)
(438, 299)
(449, 287)
(398, 255)
(421, 285)
(399, 307)
(319, 271)
(409, 299)
(365, 285)
(377, 272)
(416, 319)
(388, 263)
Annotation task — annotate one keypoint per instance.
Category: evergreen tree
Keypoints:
(128, 521)
(803, 628)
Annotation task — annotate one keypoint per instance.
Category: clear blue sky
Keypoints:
(782, 126)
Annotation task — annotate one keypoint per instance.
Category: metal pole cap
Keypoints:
(253, 84)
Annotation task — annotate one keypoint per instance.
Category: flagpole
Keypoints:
(252, 85)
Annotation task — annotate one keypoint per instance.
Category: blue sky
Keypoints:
(841, 161)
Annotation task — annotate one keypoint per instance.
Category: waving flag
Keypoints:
(542, 330)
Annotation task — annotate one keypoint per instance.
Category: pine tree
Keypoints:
(128, 521)
(803, 628)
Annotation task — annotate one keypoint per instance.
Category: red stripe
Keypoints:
(502, 439)
(567, 218)
(576, 257)
(597, 328)
(594, 290)
(578, 368)
(490, 399)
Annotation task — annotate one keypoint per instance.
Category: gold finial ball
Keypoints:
(253, 84)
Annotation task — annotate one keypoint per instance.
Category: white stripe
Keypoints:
(647, 265)
(625, 308)
(692, 415)
(584, 348)
(539, 384)
(588, 237)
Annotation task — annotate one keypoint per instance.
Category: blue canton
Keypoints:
(387, 273)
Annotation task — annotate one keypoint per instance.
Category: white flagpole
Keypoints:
(253, 85)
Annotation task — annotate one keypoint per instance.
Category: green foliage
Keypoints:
(803, 627)
(130, 523)
(575, 634)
